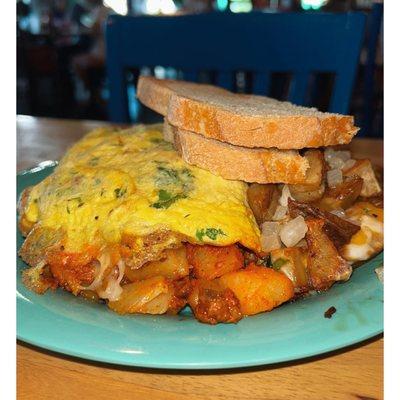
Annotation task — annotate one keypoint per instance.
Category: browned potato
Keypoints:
(212, 303)
(258, 289)
(263, 200)
(325, 265)
(314, 187)
(342, 196)
(363, 169)
(292, 261)
(172, 265)
(210, 262)
(150, 296)
(338, 229)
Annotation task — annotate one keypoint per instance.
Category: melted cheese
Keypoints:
(132, 182)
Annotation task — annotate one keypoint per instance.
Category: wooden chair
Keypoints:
(221, 44)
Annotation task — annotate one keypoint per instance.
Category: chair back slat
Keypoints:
(226, 80)
(261, 83)
(225, 43)
(298, 87)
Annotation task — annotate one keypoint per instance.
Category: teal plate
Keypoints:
(66, 324)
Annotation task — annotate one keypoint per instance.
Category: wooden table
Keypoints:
(353, 373)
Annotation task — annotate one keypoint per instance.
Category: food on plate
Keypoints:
(152, 219)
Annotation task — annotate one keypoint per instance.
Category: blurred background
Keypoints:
(61, 53)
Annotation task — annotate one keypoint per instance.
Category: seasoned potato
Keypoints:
(325, 265)
(150, 296)
(369, 240)
(212, 303)
(258, 288)
(263, 200)
(292, 261)
(210, 262)
(364, 169)
(172, 265)
(342, 196)
(314, 187)
(338, 229)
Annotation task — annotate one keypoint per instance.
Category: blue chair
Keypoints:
(223, 43)
(374, 25)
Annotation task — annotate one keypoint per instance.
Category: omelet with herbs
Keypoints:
(125, 195)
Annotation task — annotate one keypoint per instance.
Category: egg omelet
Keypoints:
(129, 194)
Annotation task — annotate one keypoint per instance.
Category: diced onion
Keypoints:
(280, 213)
(335, 163)
(343, 155)
(283, 201)
(113, 290)
(270, 236)
(334, 177)
(270, 227)
(293, 231)
(348, 164)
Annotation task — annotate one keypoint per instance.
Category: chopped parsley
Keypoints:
(119, 192)
(173, 184)
(211, 233)
(74, 201)
(165, 199)
(279, 263)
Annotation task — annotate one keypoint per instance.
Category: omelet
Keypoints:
(128, 193)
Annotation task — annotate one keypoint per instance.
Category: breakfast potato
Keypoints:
(150, 296)
(210, 262)
(339, 230)
(325, 264)
(368, 241)
(212, 303)
(263, 200)
(364, 169)
(173, 264)
(258, 288)
(342, 196)
(292, 261)
(314, 186)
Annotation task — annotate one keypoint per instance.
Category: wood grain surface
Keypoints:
(352, 373)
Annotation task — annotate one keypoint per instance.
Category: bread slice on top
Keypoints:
(244, 120)
(236, 162)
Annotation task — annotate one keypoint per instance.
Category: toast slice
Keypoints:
(243, 120)
(236, 162)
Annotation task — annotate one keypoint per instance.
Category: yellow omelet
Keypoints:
(131, 182)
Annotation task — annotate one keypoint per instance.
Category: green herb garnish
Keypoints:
(165, 199)
(211, 233)
(119, 192)
(279, 263)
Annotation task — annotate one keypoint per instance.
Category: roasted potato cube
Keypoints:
(338, 229)
(212, 303)
(173, 265)
(150, 296)
(263, 200)
(364, 169)
(325, 265)
(210, 262)
(314, 186)
(342, 196)
(368, 241)
(292, 261)
(258, 288)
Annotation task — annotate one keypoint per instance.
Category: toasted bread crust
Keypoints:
(244, 120)
(283, 132)
(238, 163)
